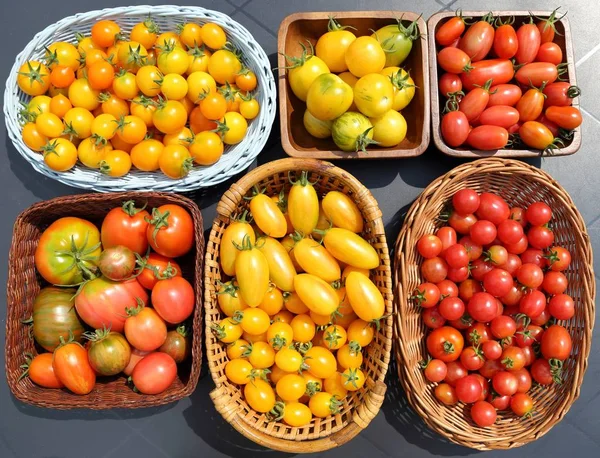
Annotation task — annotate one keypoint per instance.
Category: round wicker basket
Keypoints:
(520, 184)
(359, 408)
(235, 159)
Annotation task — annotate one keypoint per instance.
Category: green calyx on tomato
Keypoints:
(551, 20)
(453, 101)
(302, 181)
(333, 25)
(228, 288)
(25, 366)
(158, 220)
(260, 374)
(183, 330)
(97, 335)
(35, 75)
(133, 311)
(556, 367)
(499, 21)
(297, 62)
(246, 244)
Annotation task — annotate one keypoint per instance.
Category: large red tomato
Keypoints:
(171, 231)
(154, 373)
(445, 343)
(156, 267)
(126, 226)
(67, 250)
(102, 302)
(173, 299)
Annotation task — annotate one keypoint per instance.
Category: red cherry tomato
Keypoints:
(505, 42)
(512, 359)
(460, 223)
(429, 246)
(447, 288)
(529, 40)
(518, 214)
(518, 247)
(447, 235)
(499, 402)
(540, 237)
(559, 258)
(549, 52)
(512, 298)
(449, 83)
(496, 255)
(530, 356)
(497, 282)
(531, 105)
(473, 249)
(521, 404)
(560, 94)
(432, 318)
(538, 213)
(530, 275)
(482, 307)
(434, 270)
(490, 368)
(547, 28)
(456, 256)
(472, 358)
(458, 275)
(445, 394)
(491, 350)
(499, 115)
(555, 283)
(468, 389)
(436, 370)
(452, 308)
(477, 40)
(468, 288)
(534, 256)
(527, 336)
(483, 414)
(455, 371)
(566, 117)
(493, 208)
(523, 379)
(450, 31)
(426, 295)
(556, 343)
(465, 201)
(483, 232)
(505, 383)
(510, 231)
(536, 73)
(480, 268)
(505, 94)
(542, 318)
(454, 60)
(500, 71)
(533, 303)
(485, 387)
(455, 128)
(503, 326)
(562, 307)
(445, 343)
(541, 372)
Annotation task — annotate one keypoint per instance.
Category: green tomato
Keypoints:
(352, 132)
(397, 40)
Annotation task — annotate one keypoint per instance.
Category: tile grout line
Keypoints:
(583, 110)
(589, 54)
(257, 21)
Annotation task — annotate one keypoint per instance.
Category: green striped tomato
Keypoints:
(108, 352)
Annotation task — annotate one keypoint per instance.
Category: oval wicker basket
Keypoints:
(235, 159)
(360, 408)
(24, 283)
(520, 184)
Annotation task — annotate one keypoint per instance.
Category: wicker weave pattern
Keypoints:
(235, 159)
(359, 408)
(520, 184)
(24, 283)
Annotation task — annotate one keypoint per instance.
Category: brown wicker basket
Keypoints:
(520, 184)
(24, 283)
(360, 408)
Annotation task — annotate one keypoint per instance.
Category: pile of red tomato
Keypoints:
(492, 300)
(503, 84)
(119, 271)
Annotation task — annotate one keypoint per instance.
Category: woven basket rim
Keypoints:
(406, 241)
(234, 415)
(92, 400)
(235, 159)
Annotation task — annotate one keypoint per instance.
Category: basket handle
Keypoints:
(370, 406)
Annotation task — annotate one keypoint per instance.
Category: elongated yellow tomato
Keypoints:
(373, 94)
(328, 97)
(296, 414)
(303, 70)
(267, 215)
(389, 129)
(316, 127)
(252, 271)
(341, 210)
(350, 248)
(331, 46)
(288, 243)
(365, 298)
(303, 205)
(349, 269)
(259, 395)
(229, 299)
(316, 260)
(281, 268)
(318, 295)
(404, 86)
(234, 234)
(365, 55)
(321, 362)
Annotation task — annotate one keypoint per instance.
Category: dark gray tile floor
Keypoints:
(192, 427)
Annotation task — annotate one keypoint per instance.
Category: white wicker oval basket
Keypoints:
(235, 159)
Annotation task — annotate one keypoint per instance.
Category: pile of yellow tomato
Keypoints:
(298, 302)
(353, 86)
(151, 100)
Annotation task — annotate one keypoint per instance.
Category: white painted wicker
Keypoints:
(234, 160)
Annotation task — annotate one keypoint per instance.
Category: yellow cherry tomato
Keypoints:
(238, 371)
(143, 108)
(145, 33)
(148, 79)
(316, 127)
(233, 96)
(280, 334)
(246, 80)
(173, 59)
(116, 163)
(272, 303)
(59, 105)
(82, 95)
(167, 40)
(229, 300)
(224, 66)
(190, 34)
(313, 385)
(318, 295)
(85, 44)
(39, 104)
(32, 137)
(145, 155)
(213, 35)
(124, 85)
(199, 84)
(365, 55)
(259, 395)
(260, 354)
(350, 248)
(91, 153)
(281, 268)
(78, 122)
(175, 161)
(285, 316)
(316, 260)
(328, 97)
(324, 404)
(291, 387)
(111, 104)
(321, 362)
(117, 143)
(360, 332)
(253, 320)
(174, 86)
(350, 355)
(131, 129)
(253, 338)
(289, 360)
(303, 71)
(303, 327)
(296, 414)
(353, 379)
(206, 148)
(170, 116)
(49, 125)
(341, 210)
(213, 105)
(252, 271)
(352, 132)
(389, 129)
(198, 59)
(332, 46)
(131, 56)
(236, 349)
(404, 86)
(268, 216)
(227, 330)
(334, 337)
(374, 95)
(62, 53)
(365, 298)
(320, 320)
(348, 78)
(249, 108)
(234, 234)
(104, 127)
(276, 374)
(294, 304)
(60, 154)
(181, 137)
(33, 78)
(335, 386)
(233, 127)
